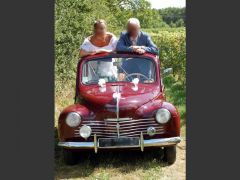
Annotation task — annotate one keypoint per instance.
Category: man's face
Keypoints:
(133, 29)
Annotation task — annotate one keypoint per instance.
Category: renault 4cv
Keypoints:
(119, 104)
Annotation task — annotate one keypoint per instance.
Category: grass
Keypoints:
(106, 165)
(125, 165)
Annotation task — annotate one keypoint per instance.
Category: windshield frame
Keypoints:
(155, 61)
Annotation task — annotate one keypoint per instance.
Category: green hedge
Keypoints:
(172, 45)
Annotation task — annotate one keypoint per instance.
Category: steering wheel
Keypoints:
(136, 74)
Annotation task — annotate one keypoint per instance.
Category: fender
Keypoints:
(64, 130)
(149, 110)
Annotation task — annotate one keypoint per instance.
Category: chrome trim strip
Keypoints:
(162, 142)
(146, 143)
(115, 135)
(74, 145)
(124, 130)
(122, 125)
(95, 143)
(120, 119)
(159, 131)
(141, 142)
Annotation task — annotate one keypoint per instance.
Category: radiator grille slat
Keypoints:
(127, 127)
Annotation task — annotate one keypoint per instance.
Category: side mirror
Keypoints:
(167, 71)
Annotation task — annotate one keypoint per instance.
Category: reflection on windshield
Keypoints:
(118, 70)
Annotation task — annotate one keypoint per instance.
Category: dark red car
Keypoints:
(119, 104)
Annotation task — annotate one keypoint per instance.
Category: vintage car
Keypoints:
(119, 104)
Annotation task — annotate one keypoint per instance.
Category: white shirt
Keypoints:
(88, 46)
(105, 68)
(134, 40)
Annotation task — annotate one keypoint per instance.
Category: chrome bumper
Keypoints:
(142, 143)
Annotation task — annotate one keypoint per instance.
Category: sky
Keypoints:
(158, 4)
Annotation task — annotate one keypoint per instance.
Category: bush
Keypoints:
(73, 23)
(172, 45)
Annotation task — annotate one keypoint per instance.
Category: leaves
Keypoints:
(74, 22)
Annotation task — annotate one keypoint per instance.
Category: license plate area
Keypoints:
(118, 142)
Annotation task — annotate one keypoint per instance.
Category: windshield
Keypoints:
(118, 70)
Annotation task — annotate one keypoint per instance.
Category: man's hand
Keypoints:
(134, 48)
(140, 51)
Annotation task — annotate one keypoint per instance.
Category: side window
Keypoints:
(89, 71)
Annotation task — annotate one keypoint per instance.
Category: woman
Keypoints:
(100, 41)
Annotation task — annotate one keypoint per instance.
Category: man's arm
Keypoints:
(151, 47)
(121, 47)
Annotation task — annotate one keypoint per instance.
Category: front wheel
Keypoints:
(170, 154)
(70, 157)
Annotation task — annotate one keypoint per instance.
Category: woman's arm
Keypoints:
(83, 53)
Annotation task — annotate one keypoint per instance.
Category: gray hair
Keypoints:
(134, 21)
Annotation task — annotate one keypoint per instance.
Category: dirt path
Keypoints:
(178, 170)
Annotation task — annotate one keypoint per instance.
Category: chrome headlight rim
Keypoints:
(163, 116)
(73, 119)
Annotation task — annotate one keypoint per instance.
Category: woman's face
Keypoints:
(100, 29)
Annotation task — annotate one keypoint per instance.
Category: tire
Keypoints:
(70, 157)
(170, 154)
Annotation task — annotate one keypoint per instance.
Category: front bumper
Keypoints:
(142, 143)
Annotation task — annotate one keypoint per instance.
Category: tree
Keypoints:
(173, 15)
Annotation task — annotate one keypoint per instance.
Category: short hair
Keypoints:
(134, 21)
(99, 21)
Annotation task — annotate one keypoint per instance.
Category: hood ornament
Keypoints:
(135, 82)
(102, 84)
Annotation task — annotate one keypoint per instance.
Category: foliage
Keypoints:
(175, 17)
(172, 45)
(73, 23)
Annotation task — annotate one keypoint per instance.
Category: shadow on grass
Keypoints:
(118, 161)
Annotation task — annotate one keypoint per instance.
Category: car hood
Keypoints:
(131, 99)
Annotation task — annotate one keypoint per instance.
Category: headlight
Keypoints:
(163, 116)
(73, 119)
(85, 131)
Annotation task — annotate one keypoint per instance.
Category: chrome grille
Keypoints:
(127, 127)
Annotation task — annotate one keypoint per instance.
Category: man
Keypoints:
(134, 40)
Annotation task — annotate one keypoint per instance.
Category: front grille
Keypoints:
(127, 127)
